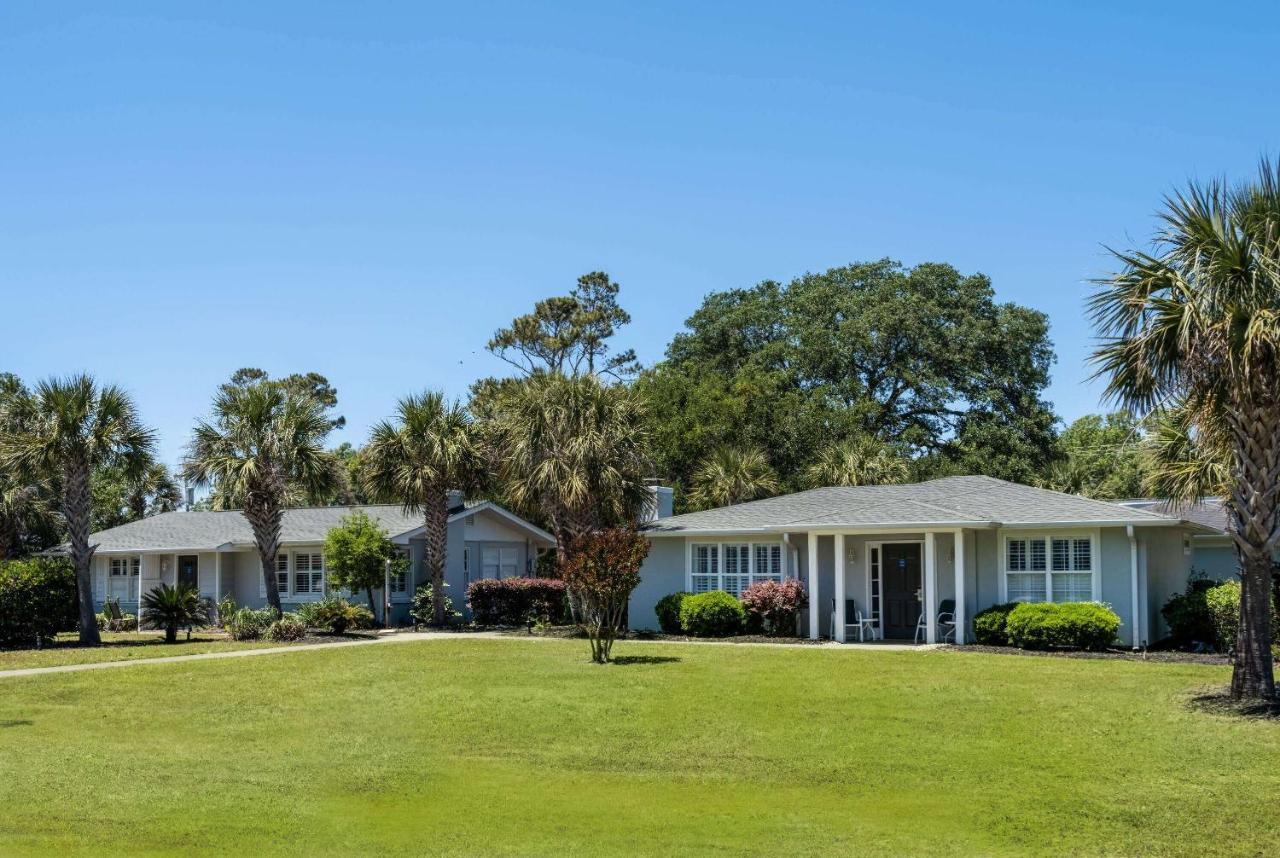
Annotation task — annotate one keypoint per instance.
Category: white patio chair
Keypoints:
(946, 622)
(862, 625)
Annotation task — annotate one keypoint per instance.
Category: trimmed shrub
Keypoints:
(774, 606)
(1189, 618)
(668, 611)
(287, 628)
(989, 624)
(335, 615)
(246, 624)
(1067, 625)
(37, 600)
(712, 615)
(423, 605)
(1223, 603)
(128, 622)
(517, 601)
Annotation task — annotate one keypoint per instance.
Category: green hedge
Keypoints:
(989, 624)
(668, 611)
(1189, 618)
(37, 600)
(1223, 604)
(1067, 625)
(712, 615)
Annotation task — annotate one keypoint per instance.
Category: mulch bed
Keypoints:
(1166, 656)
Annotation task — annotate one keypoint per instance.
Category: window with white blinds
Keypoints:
(282, 573)
(308, 574)
(1049, 568)
(400, 579)
(734, 566)
(125, 567)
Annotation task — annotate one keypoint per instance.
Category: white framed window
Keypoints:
(122, 578)
(126, 567)
(282, 573)
(734, 566)
(1050, 567)
(499, 561)
(399, 584)
(308, 574)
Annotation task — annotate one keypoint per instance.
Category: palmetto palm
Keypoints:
(414, 460)
(573, 450)
(171, 608)
(153, 491)
(75, 426)
(732, 475)
(858, 462)
(1194, 325)
(263, 450)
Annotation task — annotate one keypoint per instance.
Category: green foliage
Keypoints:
(569, 334)
(922, 357)
(1223, 605)
(37, 600)
(287, 628)
(731, 476)
(248, 624)
(712, 615)
(335, 615)
(422, 608)
(668, 611)
(171, 608)
(357, 553)
(1065, 625)
(128, 622)
(601, 570)
(1099, 456)
(858, 461)
(989, 624)
(226, 608)
(1189, 618)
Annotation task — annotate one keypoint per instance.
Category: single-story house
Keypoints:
(899, 551)
(215, 551)
(1213, 552)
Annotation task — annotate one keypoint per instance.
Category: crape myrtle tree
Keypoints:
(923, 358)
(415, 459)
(1192, 326)
(601, 569)
(73, 427)
(262, 450)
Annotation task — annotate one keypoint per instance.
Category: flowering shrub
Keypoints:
(775, 605)
(712, 615)
(517, 601)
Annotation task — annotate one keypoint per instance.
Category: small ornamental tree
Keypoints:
(600, 570)
(776, 605)
(357, 552)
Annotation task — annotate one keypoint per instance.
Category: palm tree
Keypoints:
(170, 608)
(1194, 325)
(732, 475)
(153, 491)
(75, 427)
(858, 462)
(263, 450)
(416, 460)
(572, 451)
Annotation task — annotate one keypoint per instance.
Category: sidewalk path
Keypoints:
(409, 637)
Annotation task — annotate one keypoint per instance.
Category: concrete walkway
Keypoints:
(411, 637)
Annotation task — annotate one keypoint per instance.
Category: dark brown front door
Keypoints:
(902, 589)
(189, 570)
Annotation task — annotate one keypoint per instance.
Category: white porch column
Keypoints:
(931, 587)
(217, 577)
(838, 632)
(1133, 577)
(960, 615)
(813, 586)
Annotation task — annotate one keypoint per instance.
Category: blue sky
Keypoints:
(368, 190)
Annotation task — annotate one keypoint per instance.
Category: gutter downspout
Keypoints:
(1133, 577)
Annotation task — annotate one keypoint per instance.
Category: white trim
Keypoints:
(959, 615)
(814, 611)
(878, 611)
(931, 587)
(838, 632)
(1133, 575)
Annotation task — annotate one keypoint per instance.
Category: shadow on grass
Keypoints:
(1218, 701)
(15, 722)
(157, 641)
(645, 659)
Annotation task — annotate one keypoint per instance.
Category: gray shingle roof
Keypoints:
(206, 531)
(1207, 512)
(950, 501)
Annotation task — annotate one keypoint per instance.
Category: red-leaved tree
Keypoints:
(600, 570)
(776, 605)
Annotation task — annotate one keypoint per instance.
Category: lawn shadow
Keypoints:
(1218, 701)
(15, 722)
(645, 659)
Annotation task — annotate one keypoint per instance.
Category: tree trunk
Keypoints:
(1255, 526)
(77, 505)
(170, 634)
(436, 528)
(265, 514)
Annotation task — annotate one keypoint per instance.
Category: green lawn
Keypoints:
(121, 646)
(509, 747)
